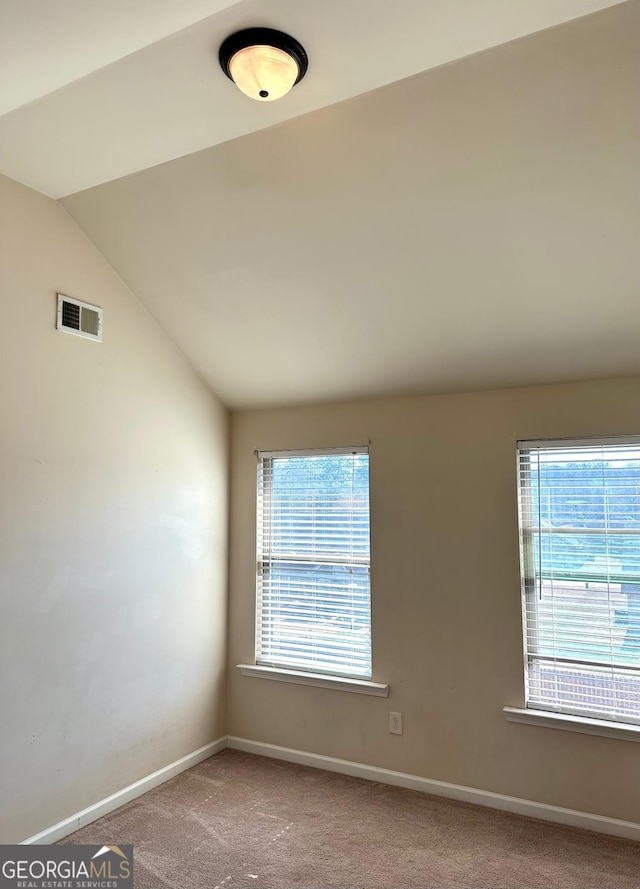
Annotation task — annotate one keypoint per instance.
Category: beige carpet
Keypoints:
(238, 821)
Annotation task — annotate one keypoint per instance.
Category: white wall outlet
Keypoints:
(395, 723)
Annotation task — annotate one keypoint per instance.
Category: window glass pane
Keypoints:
(317, 616)
(586, 691)
(314, 609)
(580, 542)
(320, 505)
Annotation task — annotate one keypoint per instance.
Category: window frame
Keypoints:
(263, 667)
(581, 719)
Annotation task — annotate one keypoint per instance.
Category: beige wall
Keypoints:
(113, 511)
(446, 598)
(113, 533)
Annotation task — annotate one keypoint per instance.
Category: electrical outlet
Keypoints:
(395, 723)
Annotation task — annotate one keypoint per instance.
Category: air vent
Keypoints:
(79, 318)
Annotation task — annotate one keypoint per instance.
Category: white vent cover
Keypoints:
(79, 318)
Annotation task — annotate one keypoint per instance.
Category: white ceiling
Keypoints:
(473, 226)
(46, 44)
(93, 90)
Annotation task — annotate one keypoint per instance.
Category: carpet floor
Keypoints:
(237, 821)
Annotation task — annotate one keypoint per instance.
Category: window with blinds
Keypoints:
(579, 504)
(313, 594)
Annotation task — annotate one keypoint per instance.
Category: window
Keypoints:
(313, 599)
(580, 553)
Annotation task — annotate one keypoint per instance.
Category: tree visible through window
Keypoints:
(313, 596)
(580, 555)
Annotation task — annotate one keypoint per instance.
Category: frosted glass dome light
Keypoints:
(263, 63)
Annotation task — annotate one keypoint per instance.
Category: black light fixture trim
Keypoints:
(263, 37)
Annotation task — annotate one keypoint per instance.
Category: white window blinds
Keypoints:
(313, 600)
(580, 552)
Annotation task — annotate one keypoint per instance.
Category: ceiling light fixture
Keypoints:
(263, 63)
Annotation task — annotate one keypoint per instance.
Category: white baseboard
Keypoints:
(599, 823)
(110, 803)
(558, 815)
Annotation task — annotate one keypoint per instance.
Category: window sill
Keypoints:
(321, 680)
(568, 723)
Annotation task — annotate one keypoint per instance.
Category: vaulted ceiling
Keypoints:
(447, 227)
